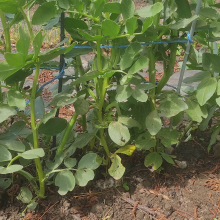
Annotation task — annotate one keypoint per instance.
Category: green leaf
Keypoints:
(83, 139)
(146, 86)
(168, 136)
(64, 4)
(131, 25)
(23, 43)
(153, 122)
(90, 161)
(7, 70)
(39, 108)
(211, 13)
(32, 154)
(89, 37)
(25, 195)
(83, 176)
(5, 154)
(110, 28)
(112, 7)
(130, 122)
(197, 77)
(195, 112)
(211, 62)
(140, 95)
(183, 23)
(205, 90)
(139, 65)
(129, 55)
(32, 206)
(9, 6)
(127, 9)
(150, 11)
(118, 133)
(96, 7)
(5, 183)
(218, 101)
(13, 145)
(65, 181)
(86, 77)
(128, 150)
(213, 136)
(147, 23)
(183, 9)
(49, 115)
(145, 141)
(154, 159)
(44, 13)
(177, 118)
(37, 43)
(168, 158)
(57, 161)
(15, 59)
(15, 98)
(53, 126)
(123, 93)
(10, 169)
(218, 88)
(117, 169)
(6, 112)
(70, 162)
(81, 106)
(172, 105)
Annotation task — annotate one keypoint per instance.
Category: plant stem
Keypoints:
(102, 91)
(35, 132)
(15, 158)
(84, 14)
(6, 32)
(152, 73)
(66, 134)
(28, 23)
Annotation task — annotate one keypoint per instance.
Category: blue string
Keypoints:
(189, 38)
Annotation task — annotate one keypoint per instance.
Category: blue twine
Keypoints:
(189, 38)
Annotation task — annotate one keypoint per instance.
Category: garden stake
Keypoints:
(192, 30)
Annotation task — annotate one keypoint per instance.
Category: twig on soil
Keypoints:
(184, 214)
(210, 195)
(195, 212)
(181, 214)
(212, 171)
(212, 212)
(135, 209)
(48, 210)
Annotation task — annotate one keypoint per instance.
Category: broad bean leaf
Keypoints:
(154, 159)
(112, 7)
(25, 195)
(15, 98)
(128, 150)
(130, 122)
(10, 169)
(131, 25)
(5, 154)
(5, 112)
(49, 115)
(153, 122)
(183, 23)
(147, 23)
(218, 101)
(171, 105)
(197, 77)
(117, 169)
(13, 145)
(89, 37)
(65, 4)
(195, 112)
(15, 59)
(213, 137)
(81, 106)
(8, 6)
(140, 95)
(7, 70)
(211, 13)
(218, 88)
(39, 108)
(183, 9)
(145, 141)
(139, 65)
(37, 43)
(83, 139)
(44, 13)
(123, 93)
(127, 9)
(53, 126)
(87, 77)
(5, 183)
(110, 28)
(168, 158)
(118, 133)
(168, 136)
(70, 162)
(206, 89)
(130, 53)
(96, 7)
(90, 161)
(83, 176)
(65, 181)
(57, 161)
(211, 62)
(32, 154)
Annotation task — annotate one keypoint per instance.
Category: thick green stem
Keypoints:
(152, 73)
(102, 91)
(28, 23)
(14, 159)
(168, 68)
(6, 32)
(66, 134)
(35, 132)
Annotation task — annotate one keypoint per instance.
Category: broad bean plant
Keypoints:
(119, 110)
